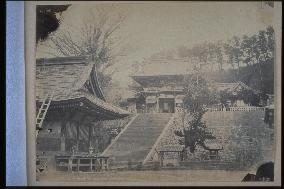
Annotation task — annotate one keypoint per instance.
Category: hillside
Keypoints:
(248, 75)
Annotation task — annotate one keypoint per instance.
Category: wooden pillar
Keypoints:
(65, 119)
(161, 159)
(78, 164)
(157, 107)
(90, 136)
(106, 163)
(63, 136)
(70, 164)
(101, 164)
(91, 164)
(146, 108)
(77, 136)
(62, 144)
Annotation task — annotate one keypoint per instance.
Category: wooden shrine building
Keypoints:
(69, 101)
(161, 94)
(159, 86)
(165, 93)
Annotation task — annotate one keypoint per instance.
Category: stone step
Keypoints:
(137, 140)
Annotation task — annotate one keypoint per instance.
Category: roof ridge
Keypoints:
(62, 60)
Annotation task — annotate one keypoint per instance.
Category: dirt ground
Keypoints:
(146, 176)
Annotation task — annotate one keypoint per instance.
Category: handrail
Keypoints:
(232, 109)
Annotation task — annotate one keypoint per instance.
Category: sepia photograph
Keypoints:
(154, 93)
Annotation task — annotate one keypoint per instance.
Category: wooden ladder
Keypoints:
(42, 112)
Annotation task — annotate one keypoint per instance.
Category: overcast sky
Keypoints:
(152, 27)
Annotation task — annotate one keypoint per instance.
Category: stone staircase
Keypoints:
(134, 144)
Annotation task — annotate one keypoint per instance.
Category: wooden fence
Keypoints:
(242, 108)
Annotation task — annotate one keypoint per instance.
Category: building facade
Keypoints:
(165, 94)
(159, 94)
(76, 104)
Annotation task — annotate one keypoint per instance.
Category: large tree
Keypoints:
(198, 96)
(94, 37)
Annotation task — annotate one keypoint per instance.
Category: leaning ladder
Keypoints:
(42, 111)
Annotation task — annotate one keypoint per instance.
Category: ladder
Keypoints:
(42, 112)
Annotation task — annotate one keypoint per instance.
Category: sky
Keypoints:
(150, 27)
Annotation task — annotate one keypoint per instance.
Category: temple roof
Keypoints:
(62, 75)
(213, 144)
(159, 80)
(66, 78)
(233, 87)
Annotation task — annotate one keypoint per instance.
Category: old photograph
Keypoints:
(156, 93)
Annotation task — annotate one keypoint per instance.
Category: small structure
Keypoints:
(213, 146)
(234, 89)
(175, 150)
(66, 119)
(269, 116)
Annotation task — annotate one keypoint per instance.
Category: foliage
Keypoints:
(198, 96)
(249, 59)
(249, 97)
(195, 134)
(247, 146)
(253, 54)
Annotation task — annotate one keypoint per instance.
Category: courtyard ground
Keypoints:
(147, 176)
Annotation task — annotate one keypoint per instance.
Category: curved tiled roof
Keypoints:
(65, 77)
(159, 80)
(103, 104)
(62, 75)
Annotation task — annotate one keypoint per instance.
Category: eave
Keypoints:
(84, 105)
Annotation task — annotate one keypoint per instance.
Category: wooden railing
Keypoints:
(232, 109)
(83, 162)
(246, 108)
(214, 109)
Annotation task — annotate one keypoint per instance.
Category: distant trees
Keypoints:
(257, 48)
(255, 52)
(249, 57)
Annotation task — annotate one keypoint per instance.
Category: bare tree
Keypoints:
(95, 38)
